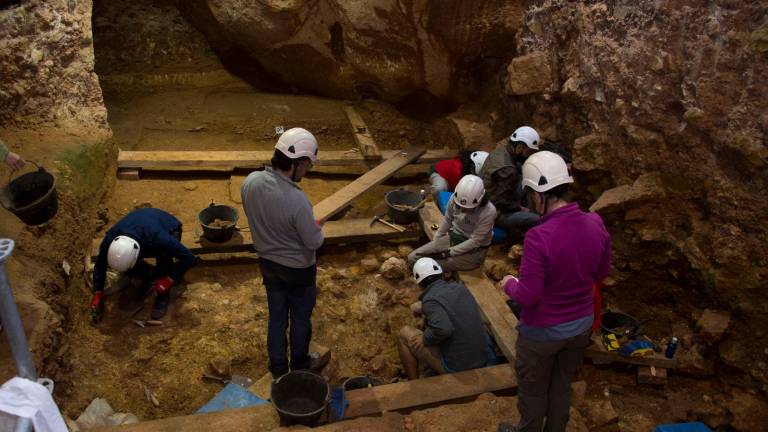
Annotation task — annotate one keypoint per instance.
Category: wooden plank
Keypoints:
(335, 232)
(493, 307)
(202, 160)
(429, 216)
(336, 202)
(441, 388)
(599, 355)
(362, 136)
(255, 418)
(129, 174)
(651, 375)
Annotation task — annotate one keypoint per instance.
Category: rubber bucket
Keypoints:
(400, 197)
(361, 382)
(300, 397)
(619, 324)
(31, 197)
(218, 222)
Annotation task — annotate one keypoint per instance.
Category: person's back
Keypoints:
(466, 347)
(576, 249)
(148, 226)
(278, 212)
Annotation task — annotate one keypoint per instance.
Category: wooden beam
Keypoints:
(335, 232)
(493, 307)
(651, 375)
(441, 388)
(203, 160)
(429, 216)
(600, 355)
(362, 136)
(129, 174)
(336, 202)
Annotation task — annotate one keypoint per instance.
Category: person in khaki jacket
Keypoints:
(462, 241)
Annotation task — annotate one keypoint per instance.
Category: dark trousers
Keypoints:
(291, 295)
(544, 372)
(147, 273)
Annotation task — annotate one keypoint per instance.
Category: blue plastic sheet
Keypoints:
(231, 396)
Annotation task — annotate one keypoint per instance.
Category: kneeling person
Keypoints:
(143, 233)
(462, 241)
(454, 337)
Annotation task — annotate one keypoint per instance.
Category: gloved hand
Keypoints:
(161, 286)
(97, 306)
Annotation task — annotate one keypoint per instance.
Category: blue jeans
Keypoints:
(291, 294)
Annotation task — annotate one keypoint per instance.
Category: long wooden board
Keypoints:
(336, 202)
(362, 136)
(250, 159)
(335, 232)
(441, 388)
(429, 216)
(599, 355)
(493, 307)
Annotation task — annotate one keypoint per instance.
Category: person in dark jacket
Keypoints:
(454, 337)
(143, 233)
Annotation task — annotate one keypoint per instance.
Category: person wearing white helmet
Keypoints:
(286, 236)
(454, 337)
(445, 174)
(462, 240)
(501, 174)
(143, 233)
(564, 258)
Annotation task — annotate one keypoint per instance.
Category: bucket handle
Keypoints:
(39, 168)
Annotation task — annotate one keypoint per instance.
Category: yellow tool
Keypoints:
(610, 342)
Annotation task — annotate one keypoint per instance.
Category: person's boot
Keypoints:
(160, 307)
(506, 427)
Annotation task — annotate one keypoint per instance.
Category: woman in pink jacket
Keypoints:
(563, 258)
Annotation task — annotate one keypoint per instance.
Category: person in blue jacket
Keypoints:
(143, 233)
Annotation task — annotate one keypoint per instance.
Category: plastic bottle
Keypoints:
(671, 348)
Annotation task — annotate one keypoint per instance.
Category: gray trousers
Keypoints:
(544, 372)
(465, 262)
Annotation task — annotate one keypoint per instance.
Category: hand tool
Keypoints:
(240, 380)
(146, 323)
(387, 223)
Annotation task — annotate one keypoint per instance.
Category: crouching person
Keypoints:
(462, 241)
(454, 337)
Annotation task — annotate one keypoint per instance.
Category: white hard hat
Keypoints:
(296, 143)
(469, 192)
(545, 170)
(478, 158)
(123, 253)
(424, 268)
(526, 134)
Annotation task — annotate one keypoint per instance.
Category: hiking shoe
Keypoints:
(316, 362)
(160, 307)
(506, 427)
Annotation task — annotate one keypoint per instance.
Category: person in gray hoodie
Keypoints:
(454, 337)
(286, 236)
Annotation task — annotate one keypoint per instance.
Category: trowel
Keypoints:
(240, 380)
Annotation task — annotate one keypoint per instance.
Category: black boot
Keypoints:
(506, 427)
(160, 307)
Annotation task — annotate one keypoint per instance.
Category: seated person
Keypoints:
(462, 240)
(447, 173)
(454, 337)
(143, 233)
(501, 174)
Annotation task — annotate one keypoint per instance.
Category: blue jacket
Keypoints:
(155, 231)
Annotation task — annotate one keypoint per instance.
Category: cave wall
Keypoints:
(387, 49)
(665, 104)
(46, 61)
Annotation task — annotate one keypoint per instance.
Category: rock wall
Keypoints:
(46, 61)
(666, 105)
(383, 48)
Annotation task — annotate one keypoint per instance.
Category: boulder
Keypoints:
(647, 187)
(369, 263)
(690, 361)
(394, 269)
(713, 324)
(404, 250)
(528, 74)
(750, 412)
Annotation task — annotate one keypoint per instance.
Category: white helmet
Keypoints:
(123, 253)
(545, 170)
(469, 191)
(478, 158)
(526, 134)
(296, 143)
(424, 268)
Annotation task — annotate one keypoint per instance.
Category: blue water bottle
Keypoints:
(671, 348)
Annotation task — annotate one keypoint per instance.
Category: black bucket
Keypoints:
(409, 200)
(31, 197)
(620, 324)
(300, 397)
(361, 382)
(218, 232)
